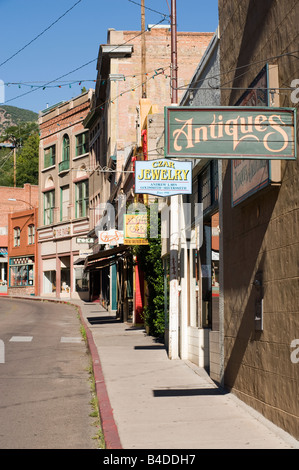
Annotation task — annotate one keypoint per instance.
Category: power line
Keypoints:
(78, 68)
(186, 87)
(40, 34)
(150, 9)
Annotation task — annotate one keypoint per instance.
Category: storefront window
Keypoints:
(21, 272)
(65, 280)
(49, 282)
(81, 279)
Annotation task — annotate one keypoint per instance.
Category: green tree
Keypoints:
(25, 138)
(27, 162)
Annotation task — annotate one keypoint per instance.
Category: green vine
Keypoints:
(150, 261)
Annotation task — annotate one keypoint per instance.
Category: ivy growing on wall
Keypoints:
(149, 257)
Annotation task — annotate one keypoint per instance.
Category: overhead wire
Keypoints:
(40, 34)
(78, 68)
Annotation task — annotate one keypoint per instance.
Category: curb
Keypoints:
(110, 431)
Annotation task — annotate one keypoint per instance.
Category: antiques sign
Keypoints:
(163, 177)
(230, 132)
(250, 176)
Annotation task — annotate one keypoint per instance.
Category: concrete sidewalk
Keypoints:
(151, 402)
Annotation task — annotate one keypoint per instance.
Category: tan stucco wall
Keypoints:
(261, 234)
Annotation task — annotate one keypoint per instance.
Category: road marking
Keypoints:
(65, 339)
(21, 339)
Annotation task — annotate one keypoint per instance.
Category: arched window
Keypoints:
(65, 148)
(31, 234)
(16, 236)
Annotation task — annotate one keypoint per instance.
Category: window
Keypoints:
(31, 234)
(64, 203)
(81, 279)
(81, 144)
(49, 282)
(82, 199)
(49, 156)
(49, 204)
(21, 272)
(65, 148)
(16, 234)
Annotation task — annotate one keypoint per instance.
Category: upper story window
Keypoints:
(49, 156)
(81, 144)
(49, 205)
(16, 236)
(64, 203)
(82, 199)
(31, 234)
(65, 148)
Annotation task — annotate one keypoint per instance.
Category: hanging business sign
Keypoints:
(135, 229)
(163, 177)
(234, 132)
(110, 237)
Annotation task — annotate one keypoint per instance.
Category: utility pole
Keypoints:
(143, 57)
(173, 347)
(14, 167)
(174, 54)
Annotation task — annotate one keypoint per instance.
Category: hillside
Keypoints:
(11, 116)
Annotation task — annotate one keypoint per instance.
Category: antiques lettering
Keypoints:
(262, 128)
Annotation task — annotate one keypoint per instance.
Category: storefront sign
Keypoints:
(230, 132)
(250, 176)
(85, 253)
(60, 232)
(110, 237)
(163, 177)
(84, 240)
(135, 229)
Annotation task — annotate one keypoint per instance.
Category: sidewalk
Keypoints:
(151, 402)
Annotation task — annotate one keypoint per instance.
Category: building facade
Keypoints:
(12, 199)
(133, 80)
(261, 216)
(22, 253)
(64, 199)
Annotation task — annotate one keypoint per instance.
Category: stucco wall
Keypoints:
(261, 234)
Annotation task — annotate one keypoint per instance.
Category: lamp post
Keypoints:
(21, 200)
(173, 347)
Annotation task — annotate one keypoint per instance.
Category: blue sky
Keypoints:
(74, 41)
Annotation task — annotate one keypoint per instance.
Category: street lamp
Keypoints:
(21, 200)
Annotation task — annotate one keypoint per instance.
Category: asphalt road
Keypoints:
(45, 391)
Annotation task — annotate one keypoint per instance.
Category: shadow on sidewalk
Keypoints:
(187, 392)
(102, 320)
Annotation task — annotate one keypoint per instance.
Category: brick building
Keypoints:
(261, 224)
(133, 79)
(22, 252)
(11, 200)
(64, 195)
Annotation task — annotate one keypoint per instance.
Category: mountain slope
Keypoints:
(12, 116)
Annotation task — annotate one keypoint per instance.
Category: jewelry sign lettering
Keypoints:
(230, 132)
(163, 177)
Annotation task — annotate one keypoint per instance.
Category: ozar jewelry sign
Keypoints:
(230, 132)
(163, 177)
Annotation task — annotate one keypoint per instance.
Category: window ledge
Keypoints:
(81, 156)
(48, 168)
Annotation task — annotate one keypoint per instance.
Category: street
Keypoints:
(44, 379)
